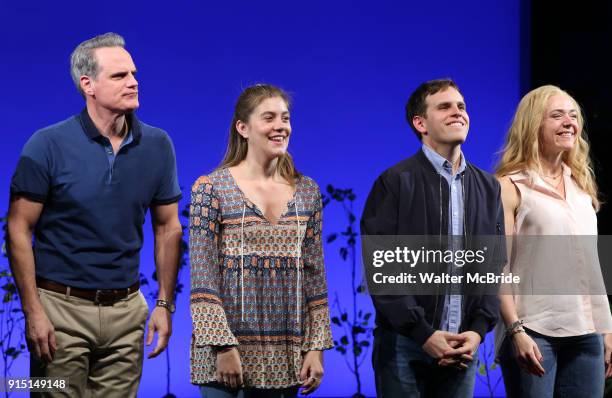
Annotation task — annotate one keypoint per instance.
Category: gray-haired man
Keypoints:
(82, 188)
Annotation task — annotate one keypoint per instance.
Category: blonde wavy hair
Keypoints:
(522, 147)
(237, 145)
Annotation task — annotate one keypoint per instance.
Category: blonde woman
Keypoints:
(258, 288)
(552, 345)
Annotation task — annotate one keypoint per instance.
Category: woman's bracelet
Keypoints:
(514, 328)
(516, 331)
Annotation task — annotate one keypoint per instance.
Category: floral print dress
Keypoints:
(255, 285)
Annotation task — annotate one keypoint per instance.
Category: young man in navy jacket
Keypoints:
(425, 345)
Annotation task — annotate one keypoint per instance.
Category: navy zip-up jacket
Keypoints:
(405, 200)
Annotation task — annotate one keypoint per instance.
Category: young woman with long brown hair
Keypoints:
(258, 287)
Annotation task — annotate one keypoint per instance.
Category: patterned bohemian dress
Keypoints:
(255, 285)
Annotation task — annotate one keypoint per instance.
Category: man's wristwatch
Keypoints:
(166, 304)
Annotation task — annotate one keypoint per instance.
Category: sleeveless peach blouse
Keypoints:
(543, 212)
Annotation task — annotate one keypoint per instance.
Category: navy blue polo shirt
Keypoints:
(89, 233)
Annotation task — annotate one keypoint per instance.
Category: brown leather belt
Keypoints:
(98, 296)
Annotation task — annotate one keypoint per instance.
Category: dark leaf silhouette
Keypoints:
(12, 343)
(343, 253)
(355, 326)
(358, 330)
(331, 238)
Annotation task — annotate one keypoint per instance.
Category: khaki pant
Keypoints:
(99, 348)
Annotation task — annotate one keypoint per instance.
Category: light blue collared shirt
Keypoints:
(108, 148)
(451, 314)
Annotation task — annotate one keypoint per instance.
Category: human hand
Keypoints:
(608, 354)
(312, 371)
(40, 335)
(453, 361)
(160, 322)
(527, 354)
(440, 342)
(229, 368)
(461, 354)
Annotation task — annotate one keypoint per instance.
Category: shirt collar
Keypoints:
(533, 174)
(92, 132)
(440, 163)
(567, 171)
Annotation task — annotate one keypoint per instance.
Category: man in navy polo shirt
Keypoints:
(82, 187)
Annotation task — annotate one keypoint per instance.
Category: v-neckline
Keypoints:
(552, 190)
(256, 209)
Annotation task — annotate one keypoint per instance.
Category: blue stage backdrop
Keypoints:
(350, 66)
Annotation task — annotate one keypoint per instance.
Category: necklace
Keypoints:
(553, 176)
(557, 185)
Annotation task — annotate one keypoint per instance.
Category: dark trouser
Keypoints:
(574, 368)
(217, 390)
(403, 369)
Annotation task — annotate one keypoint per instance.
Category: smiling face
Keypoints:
(446, 121)
(115, 87)
(267, 129)
(560, 127)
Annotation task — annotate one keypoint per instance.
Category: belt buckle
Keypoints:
(105, 297)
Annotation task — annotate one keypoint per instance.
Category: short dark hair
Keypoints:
(416, 105)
